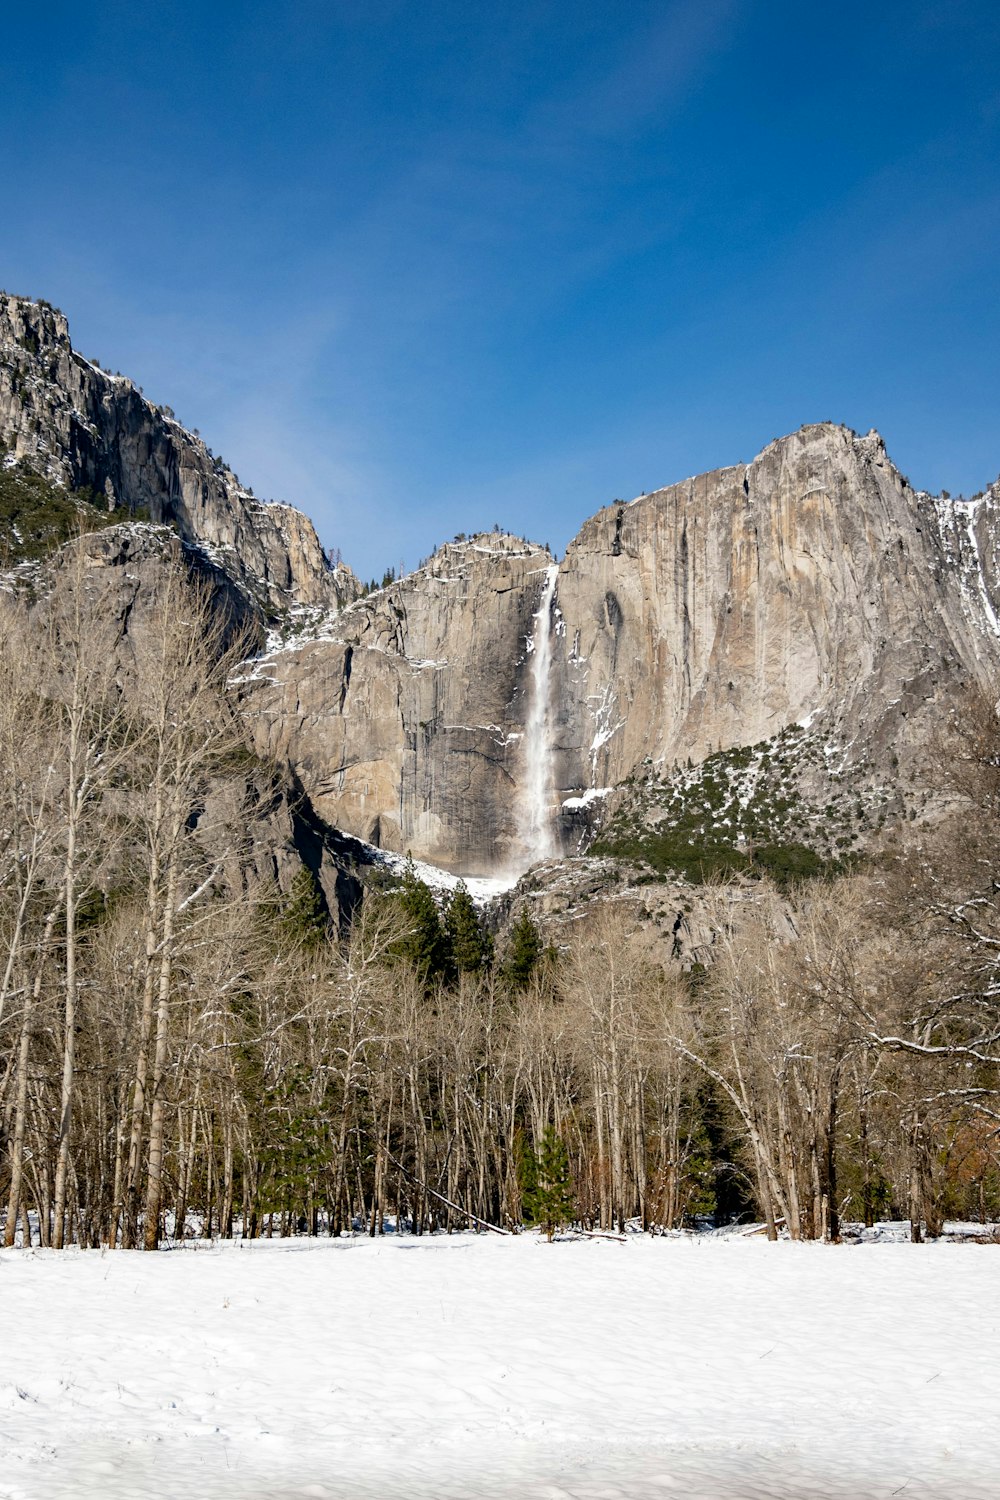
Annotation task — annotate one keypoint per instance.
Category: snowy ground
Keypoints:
(482, 888)
(471, 1367)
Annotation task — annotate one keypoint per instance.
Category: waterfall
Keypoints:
(537, 793)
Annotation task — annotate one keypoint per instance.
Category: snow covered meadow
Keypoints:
(473, 1366)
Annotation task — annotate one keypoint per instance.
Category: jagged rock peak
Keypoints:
(84, 427)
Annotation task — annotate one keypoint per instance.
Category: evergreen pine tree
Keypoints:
(546, 1184)
(425, 943)
(471, 945)
(526, 1167)
(524, 951)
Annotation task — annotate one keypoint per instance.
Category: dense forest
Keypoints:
(187, 1049)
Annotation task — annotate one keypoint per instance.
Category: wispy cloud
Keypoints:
(653, 74)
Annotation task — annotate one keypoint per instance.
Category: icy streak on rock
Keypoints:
(537, 795)
(968, 516)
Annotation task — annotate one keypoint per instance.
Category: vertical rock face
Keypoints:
(715, 612)
(87, 428)
(812, 584)
(405, 719)
(707, 615)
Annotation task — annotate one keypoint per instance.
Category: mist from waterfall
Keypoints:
(537, 794)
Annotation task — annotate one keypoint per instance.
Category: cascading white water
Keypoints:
(537, 792)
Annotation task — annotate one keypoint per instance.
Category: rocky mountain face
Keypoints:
(405, 717)
(254, 818)
(84, 427)
(812, 581)
(812, 588)
(799, 624)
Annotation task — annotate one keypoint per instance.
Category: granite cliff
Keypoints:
(799, 624)
(811, 588)
(86, 428)
(405, 717)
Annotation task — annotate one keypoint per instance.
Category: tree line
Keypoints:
(185, 1048)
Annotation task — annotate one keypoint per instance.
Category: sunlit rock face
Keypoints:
(811, 583)
(478, 712)
(405, 720)
(85, 427)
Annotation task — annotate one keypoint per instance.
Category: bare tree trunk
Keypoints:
(188, 1149)
(830, 1158)
(157, 1114)
(787, 1163)
(21, 1090)
(69, 1014)
(133, 1170)
(17, 1144)
(916, 1183)
(226, 1206)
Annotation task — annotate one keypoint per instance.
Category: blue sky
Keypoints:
(420, 268)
